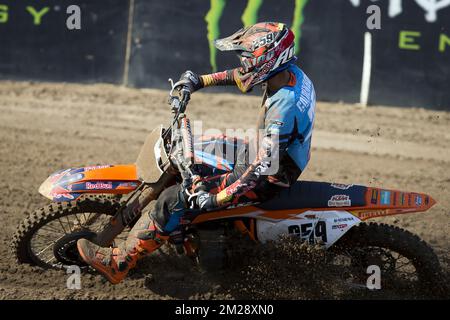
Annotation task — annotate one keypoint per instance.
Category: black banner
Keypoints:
(36, 43)
(411, 58)
(410, 54)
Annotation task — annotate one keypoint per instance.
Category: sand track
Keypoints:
(46, 127)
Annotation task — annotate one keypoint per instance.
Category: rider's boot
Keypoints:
(114, 263)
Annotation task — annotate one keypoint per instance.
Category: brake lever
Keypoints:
(173, 86)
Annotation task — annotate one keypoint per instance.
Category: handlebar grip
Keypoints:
(185, 94)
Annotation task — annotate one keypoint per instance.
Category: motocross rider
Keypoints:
(266, 52)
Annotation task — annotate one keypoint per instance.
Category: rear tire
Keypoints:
(418, 252)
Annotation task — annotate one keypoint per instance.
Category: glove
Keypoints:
(206, 200)
(191, 81)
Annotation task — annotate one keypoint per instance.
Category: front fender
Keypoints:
(69, 184)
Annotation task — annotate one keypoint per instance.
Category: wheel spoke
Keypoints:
(51, 244)
(62, 226)
(79, 221)
(85, 219)
(51, 229)
(51, 259)
(69, 223)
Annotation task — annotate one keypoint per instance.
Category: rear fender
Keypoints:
(69, 184)
(384, 202)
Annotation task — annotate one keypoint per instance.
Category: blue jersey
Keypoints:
(290, 115)
(284, 150)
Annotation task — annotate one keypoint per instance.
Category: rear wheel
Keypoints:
(408, 265)
(48, 236)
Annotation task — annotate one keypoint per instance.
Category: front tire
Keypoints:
(61, 251)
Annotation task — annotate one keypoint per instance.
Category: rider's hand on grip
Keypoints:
(200, 198)
(190, 82)
(206, 200)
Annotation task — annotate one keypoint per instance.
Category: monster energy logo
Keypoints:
(249, 17)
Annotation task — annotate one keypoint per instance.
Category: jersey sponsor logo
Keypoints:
(340, 200)
(306, 96)
(233, 188)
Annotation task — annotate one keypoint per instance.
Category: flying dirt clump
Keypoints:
(290, 269)
(293, 269)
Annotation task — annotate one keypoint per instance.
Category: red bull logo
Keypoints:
(98, 185)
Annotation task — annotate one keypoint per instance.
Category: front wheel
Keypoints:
(48, 236)
(407, 264)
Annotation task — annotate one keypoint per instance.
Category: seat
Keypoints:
(312, 194)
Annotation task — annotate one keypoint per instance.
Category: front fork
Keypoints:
(132, 209)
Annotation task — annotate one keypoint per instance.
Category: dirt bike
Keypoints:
(101, 202)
